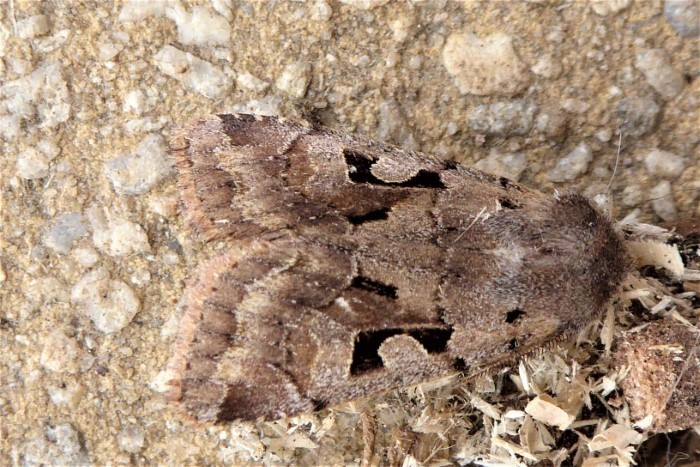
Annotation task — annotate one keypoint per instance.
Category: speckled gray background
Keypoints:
(94, 254)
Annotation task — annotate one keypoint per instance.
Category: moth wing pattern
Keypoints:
(356, 267)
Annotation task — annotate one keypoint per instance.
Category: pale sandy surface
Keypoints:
(85, 83)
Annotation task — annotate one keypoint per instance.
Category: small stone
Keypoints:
(655, 64)
(68, 395)
(111, 304)
(662, 201)
(393, 125)
(664, 164)
(66, 229)
(295, 79)
(684, 16)
(135, 101)
(33, 26)
(138, 10)
(509, 165)
(503, 118)
(200, 26)
(321, 11)
(248, 81)
(401, 27)
(32, 164)
(547, 67)
(57, 445)
(194, 73)
(137, 173)
(117, 236)
(604, 135)
(268, 105)
(487, 66)
(109, 50)
(573, 164)
(86, 257)
(131, 439)
(609, 7)
(60, 353)
(637, 116)
(552, 123)
(365, 4)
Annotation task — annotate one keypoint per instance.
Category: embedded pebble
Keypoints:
(66, 229)
(138, 10)
(111, 304)
(662, 201)
(135, 101)
(552, 123)
(137, 173)
(393, 125)
(365, 4)
(573, 164)
(637, 115)
(200, 26)
(86, 257)
(484, 66)
(248, 81)
(295, 79)
(684, 16)
(547, 67)
(268, 105)
(57, 445)
(33, 26)
(32, 164)
(664, 164)
(604, 135)
(66, 395)
(509, 165)
(131, 439)
(41, 98)
(116, 236)
(609, 7)
(321, 11)
(655, 64)
(60, 353)
(503, 118)
(193, 72)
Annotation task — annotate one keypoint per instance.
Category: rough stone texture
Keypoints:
(663, 376)
(484, 66)
(89, 81)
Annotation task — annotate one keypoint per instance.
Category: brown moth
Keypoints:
(356, 267)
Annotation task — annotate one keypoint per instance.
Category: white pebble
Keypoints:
(365, 4)
(68, 395)
(131, 439)
(662, 201)
(110, 304)
(509, 165)
(484, 66)
(248, 81)
(66, 229)
(664, 164)
(137, 173)
(295, 79)
(321, 11)
(200, 26)
(655, 64)
(194, 73)
(684, 16)
(60, 353)
(609, 7)
(573, 164)
(33, 26)
(117, 236)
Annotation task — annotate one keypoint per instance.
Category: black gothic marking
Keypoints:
(365, 353)
(360, 171)
(376, 287)
(508, 203)
(434, 340)
(376, 215)
(513, 344)
(513, 315)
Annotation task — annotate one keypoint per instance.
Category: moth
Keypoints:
(353, 267)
